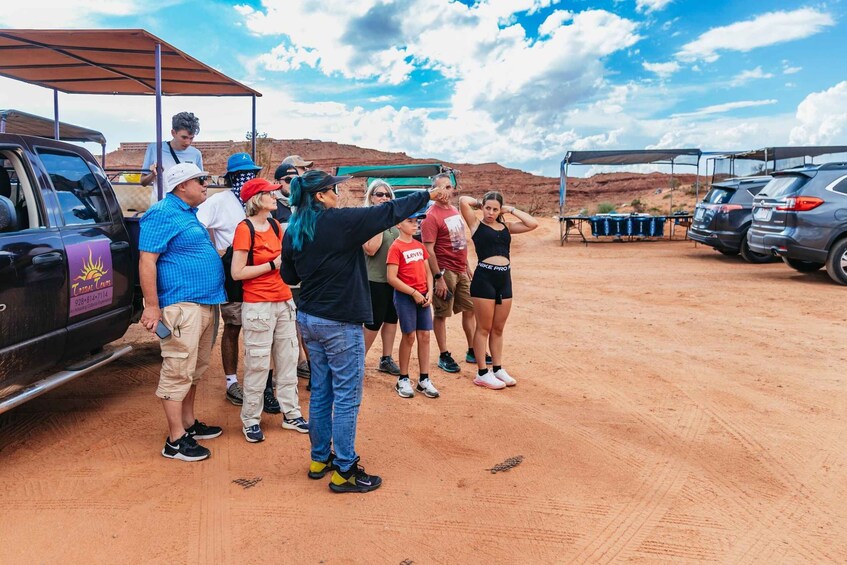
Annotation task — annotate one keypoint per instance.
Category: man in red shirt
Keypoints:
(443, 234)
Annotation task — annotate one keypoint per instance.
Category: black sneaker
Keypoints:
(271, 403)
(387, 365)
(185, 449)
(446, 363)
(318, 469)
(471, 358)
(199, 430)
(354, 480)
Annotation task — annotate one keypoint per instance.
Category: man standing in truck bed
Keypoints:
(182, 280)
(185, 126)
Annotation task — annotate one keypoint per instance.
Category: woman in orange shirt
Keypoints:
(267, 314)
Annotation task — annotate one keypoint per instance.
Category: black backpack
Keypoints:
(234, 289)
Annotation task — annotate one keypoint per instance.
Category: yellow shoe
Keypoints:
(318, 469)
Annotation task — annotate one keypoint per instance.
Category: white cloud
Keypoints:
(726, 107)
(648, 6)
(822, 117)
(42, 14)
(664, 70)
(791, 70)
(767, 29)
(748, 75)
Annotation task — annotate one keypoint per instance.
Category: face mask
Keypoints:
(237, 180)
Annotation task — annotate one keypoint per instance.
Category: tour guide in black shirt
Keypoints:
(322, 248)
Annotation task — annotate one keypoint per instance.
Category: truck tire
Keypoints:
(836, 261)
(802, 266)
(751, 256)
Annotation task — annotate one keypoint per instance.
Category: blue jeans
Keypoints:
(337, 360)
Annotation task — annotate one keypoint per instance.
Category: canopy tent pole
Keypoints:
(55, 114)
(563, 189)
(159, 181)
(103, 155)
(670, 210)
(3, 123)
(697, 183)
(253, 137)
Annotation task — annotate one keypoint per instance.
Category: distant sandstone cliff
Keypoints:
(534, 193)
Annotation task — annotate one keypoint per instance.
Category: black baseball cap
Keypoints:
(284, 170)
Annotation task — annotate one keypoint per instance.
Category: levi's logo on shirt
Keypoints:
(413, 255)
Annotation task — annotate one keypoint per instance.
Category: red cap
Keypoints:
(254, 186)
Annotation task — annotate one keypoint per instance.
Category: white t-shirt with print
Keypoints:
(221, 213)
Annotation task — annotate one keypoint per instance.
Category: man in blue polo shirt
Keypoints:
(182, 280)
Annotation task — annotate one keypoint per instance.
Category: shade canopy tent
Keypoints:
(623, 157)
(15, 121)
(399, 176)
(112, 61)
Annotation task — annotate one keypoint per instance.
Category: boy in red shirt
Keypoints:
(409, 273)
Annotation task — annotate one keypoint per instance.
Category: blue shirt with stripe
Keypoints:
(188, 269)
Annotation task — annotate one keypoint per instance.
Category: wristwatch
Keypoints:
(437, 275)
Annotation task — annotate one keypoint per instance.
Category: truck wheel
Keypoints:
(751, 256)
(836, 262)
(802, 266)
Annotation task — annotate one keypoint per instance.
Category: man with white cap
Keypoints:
(182, 280)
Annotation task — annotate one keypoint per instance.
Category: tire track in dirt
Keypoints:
(626, 529)
(758, 537)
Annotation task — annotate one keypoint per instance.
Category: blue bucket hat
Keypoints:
(241, 162)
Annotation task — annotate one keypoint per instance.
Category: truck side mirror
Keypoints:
(8, 215)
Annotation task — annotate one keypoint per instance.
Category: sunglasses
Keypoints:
(381, 194)
(201, 180)
(333, 188)
(287, 180)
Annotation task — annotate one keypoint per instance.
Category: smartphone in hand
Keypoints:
(162, 330)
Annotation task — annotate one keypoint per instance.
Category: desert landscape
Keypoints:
(673, 406)
(627, 192)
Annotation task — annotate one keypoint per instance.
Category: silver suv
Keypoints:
(801, 216)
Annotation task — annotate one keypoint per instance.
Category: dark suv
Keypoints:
(801, 216)
(722, 218)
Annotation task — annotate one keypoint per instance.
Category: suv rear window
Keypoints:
(718, 195)
(783, 186)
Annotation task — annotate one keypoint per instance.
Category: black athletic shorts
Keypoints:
(493, 282)
(382, 302)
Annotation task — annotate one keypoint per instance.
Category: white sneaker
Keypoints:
(425, 386)
(488, 380)
(502, 375)
(404, 388)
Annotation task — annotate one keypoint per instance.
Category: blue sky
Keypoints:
(514, 81)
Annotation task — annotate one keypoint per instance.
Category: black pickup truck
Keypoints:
(67, 267)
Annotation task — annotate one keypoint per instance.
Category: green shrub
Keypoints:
(605, 208)
(637, 205)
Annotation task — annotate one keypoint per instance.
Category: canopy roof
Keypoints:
(775, 153)
(633, 157)
(15, 121)
(108, 61)
(397, 171)
(413, 182)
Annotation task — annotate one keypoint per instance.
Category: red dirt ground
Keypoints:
(673, 406)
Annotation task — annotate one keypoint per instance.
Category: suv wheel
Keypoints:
(836, 262)
(751, 256)
(802, 266)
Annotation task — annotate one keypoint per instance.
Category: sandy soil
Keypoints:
(673, 405)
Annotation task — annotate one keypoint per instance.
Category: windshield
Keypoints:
(718, 196)
(782, 186)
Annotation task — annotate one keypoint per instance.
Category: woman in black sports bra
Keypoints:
(491, 287)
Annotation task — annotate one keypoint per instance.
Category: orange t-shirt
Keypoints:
(410, 258)
(267, 287)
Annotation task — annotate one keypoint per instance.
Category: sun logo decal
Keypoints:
(92, 271)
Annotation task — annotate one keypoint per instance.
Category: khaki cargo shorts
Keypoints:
(186, 352)
(460, 286)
